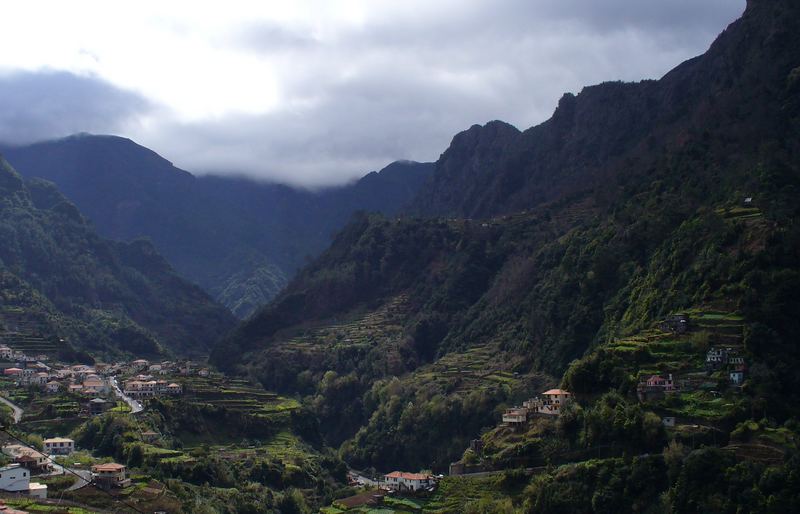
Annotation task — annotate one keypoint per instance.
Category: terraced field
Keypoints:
(362, 332)
(236, 395)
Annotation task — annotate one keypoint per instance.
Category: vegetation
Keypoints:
(63, 288)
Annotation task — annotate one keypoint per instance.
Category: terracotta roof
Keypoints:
(408, 476)
(111, 466)
(556, 391)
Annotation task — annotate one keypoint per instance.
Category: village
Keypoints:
(92, 390)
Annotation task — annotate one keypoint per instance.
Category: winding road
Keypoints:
(17, 410)
(135, 406)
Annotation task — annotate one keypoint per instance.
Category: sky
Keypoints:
(316, 93)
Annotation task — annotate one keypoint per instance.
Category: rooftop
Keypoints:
(408, 476)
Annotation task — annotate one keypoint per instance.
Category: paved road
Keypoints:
(135, 406)
(17, 410)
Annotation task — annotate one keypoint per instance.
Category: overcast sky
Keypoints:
(319, 92)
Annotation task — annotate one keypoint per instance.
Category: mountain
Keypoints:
(62, 286)
(634, 202)
(722, 101)
(239, 240)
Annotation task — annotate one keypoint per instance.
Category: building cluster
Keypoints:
(549, 403)
(142, 387)
(729, 360)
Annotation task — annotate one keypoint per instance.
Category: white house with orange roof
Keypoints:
(401, 481)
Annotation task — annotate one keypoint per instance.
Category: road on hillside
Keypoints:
(17, 410)
(84, 476)
(135, 406)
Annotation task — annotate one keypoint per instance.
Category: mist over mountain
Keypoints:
(240, 240)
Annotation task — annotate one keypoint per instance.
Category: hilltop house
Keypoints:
(5, 352)
(110, 475)
(549, 403)
(655, 387)
(400, 481)
(59, 446)
(16, 479)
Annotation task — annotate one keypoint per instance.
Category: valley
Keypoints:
(596, 314)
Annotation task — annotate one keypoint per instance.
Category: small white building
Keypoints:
(16, 479)
(400, 481)
(59, 446)
(6, 352)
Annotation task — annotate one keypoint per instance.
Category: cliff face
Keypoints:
(736, 91)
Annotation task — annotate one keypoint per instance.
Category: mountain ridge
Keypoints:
(102, 296)
(238, 239)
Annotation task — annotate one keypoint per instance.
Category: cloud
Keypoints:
(49, 104)
(318, 93)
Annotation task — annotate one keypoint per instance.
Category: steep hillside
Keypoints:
(240, 240)
(629, 207)
(726, 102)
(61, 281)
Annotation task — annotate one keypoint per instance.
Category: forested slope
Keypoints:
(623, 208)
(62, 281)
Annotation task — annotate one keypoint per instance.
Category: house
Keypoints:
(715, 358)
(40, 379)
(748, 201)
(668, 421)
(53, 387)
(75, 388)
(655, 387)
(203, 372)
(549, 403)
(98, 406)
(736, 377)
(27, 457)
(12, 372)
(139, 364)
(16, 479)
(140, 389)
(516, 416)
(110, 475)
(94, 385)
(400, 481)
(59, 446)
(174, 389)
